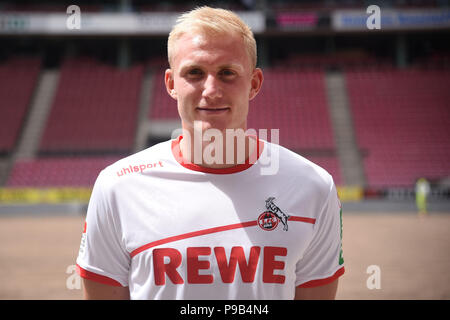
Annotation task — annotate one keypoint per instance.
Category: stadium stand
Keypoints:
(402, 124)
(58, 172)
(398, 101)
(400, 116)
(95, 109)
(18, 78)
(296, 102)
(162, 107)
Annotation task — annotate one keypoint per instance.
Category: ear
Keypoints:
(256, 83)
(170, 86)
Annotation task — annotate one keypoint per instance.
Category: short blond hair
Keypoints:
(212, 21)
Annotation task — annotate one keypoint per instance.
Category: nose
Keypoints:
(211, 87)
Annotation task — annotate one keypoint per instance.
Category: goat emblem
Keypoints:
(269, 219)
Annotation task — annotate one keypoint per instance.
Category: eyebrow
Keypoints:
(191, 65)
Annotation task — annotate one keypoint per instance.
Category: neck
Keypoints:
(218, 149)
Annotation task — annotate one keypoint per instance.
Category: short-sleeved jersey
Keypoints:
(168, 229)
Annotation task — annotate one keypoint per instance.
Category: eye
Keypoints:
(194, 73)
(227, 73)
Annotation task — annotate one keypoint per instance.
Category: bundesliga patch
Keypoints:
(269, 219)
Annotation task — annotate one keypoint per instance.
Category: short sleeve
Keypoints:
(323, 262)
(102, 256)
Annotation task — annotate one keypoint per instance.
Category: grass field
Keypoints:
(37, 255)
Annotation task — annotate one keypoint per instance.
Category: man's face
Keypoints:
(212, 80)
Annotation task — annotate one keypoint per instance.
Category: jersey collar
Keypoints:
(191, 166)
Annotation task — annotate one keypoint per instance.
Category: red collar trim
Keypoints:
(191, 166)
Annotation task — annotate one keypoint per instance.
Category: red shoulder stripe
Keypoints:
(321, 282)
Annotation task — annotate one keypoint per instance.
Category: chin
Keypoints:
(219, 125)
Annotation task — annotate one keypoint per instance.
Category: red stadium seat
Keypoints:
(162, 107)
(18, 78)
(402, 122)
(95, 108)
(294, 102)
(58, 172)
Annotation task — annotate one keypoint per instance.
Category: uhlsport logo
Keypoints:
(269, 219)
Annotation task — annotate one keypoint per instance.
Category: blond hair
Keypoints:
(212, 21)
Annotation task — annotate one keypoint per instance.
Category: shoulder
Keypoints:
(143, 161)
(301, 171)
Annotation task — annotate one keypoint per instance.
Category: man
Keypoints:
(198, 218)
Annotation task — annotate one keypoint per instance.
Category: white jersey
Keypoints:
(174, 230)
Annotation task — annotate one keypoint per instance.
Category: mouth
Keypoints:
(213, 110)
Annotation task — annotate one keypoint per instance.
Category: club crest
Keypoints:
(269, 219)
